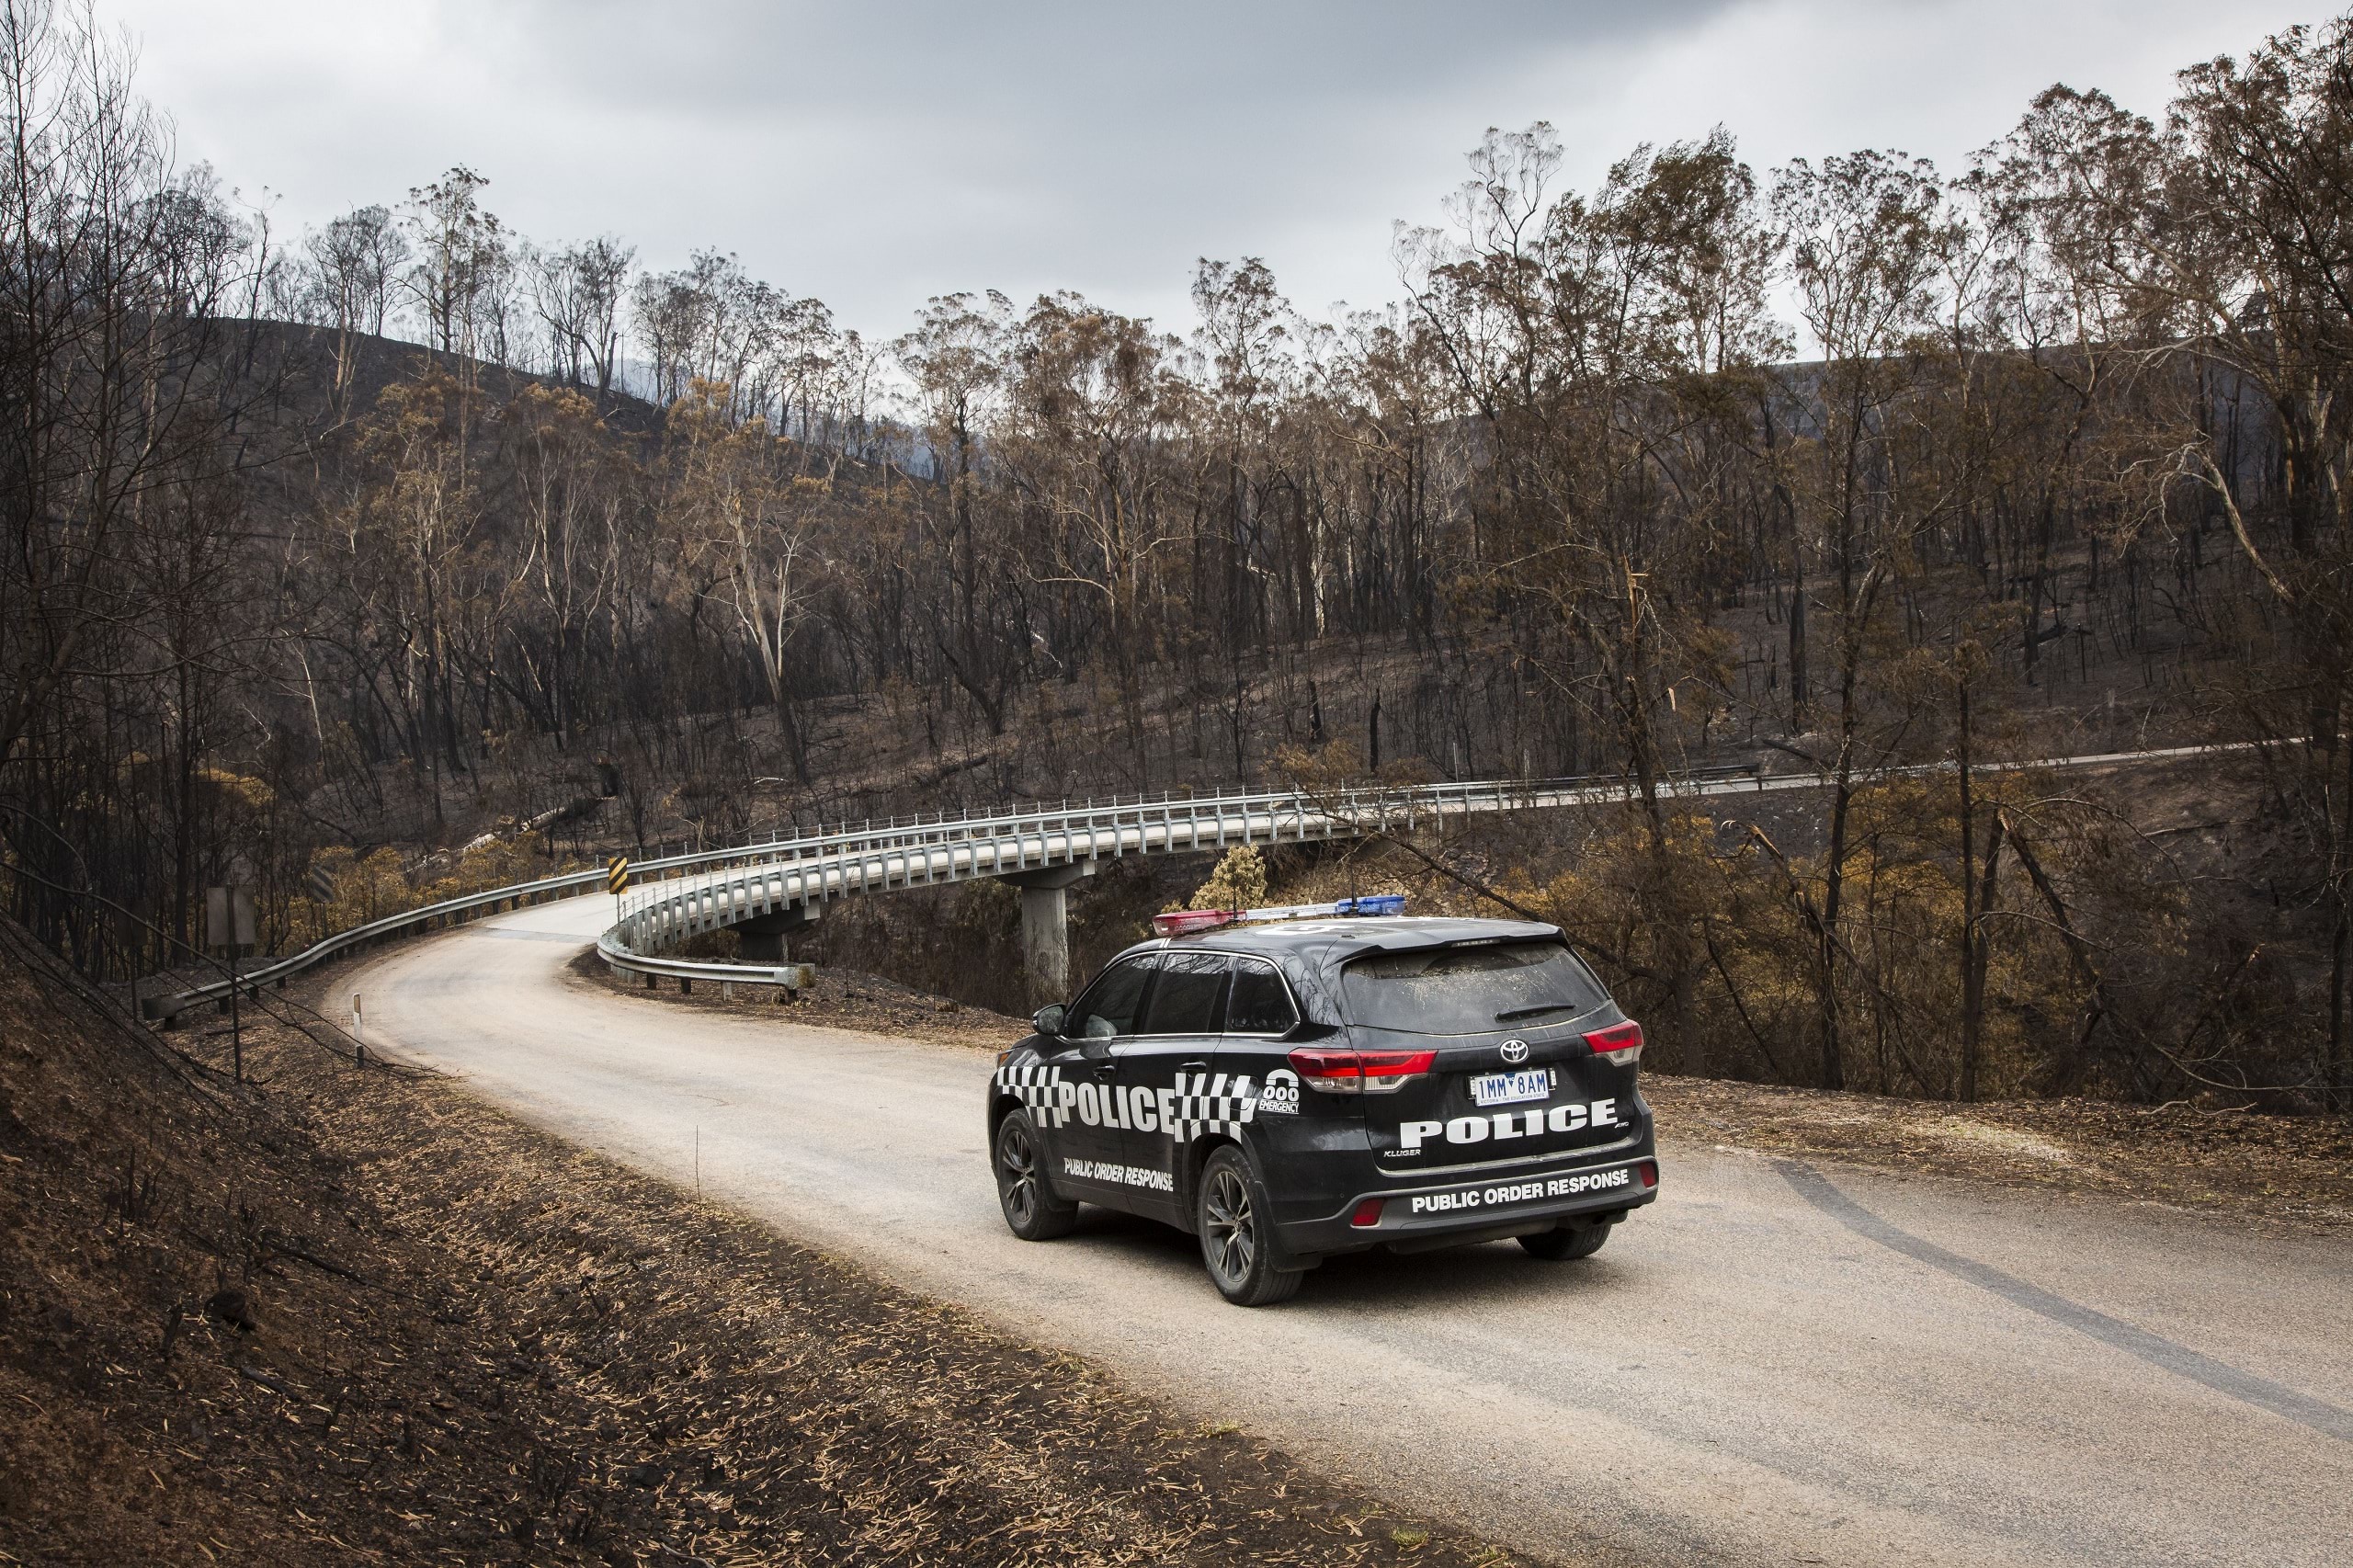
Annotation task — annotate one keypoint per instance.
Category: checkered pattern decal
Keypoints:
(1203, 1103)
(1212, 1103)
(1036, 1086)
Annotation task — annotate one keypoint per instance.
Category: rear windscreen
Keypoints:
(1471, 989)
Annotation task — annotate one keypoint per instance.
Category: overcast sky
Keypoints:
(876, 153)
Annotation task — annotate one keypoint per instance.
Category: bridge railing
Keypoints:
(843, 849)
(925, 851)
(832, 855)
(922, 851)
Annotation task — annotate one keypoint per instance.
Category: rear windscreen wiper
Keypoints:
(1508, 1013)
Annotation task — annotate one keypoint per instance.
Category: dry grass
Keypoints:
(2291, 1170)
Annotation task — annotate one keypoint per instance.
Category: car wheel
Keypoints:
(1033, 1211)
(1230, 1212)
(1567, 1242)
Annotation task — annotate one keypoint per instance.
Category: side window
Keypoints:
(1111, 1004)
(1186, 999)
(1259, 1005)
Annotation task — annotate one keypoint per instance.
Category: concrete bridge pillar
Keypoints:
(766, 937)
(1045, 928)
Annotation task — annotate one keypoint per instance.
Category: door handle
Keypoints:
(1187, 1066)
(1105, 1069)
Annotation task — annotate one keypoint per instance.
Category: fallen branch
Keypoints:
(275, 1385)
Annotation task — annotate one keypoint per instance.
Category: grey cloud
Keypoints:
(1046, 56)
(1109, 143)
(874, 155)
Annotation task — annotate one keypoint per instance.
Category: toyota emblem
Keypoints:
(1515, 1050)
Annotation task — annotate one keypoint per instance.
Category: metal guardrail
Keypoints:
(842, 847)
(448, 912)
(788, 977)
(927, 853)
(748, 880)
(922, 854)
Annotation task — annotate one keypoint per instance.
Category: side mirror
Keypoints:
(1047, 1020)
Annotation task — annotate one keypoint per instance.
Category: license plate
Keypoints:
(1510, 1088)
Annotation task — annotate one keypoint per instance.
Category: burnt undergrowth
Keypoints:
(337, 1312)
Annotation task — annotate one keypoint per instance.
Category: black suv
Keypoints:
(1290, 1091)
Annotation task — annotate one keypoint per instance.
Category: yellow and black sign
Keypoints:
(616, 873)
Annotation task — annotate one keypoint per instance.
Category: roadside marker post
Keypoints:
(230, 923)
(616, 881)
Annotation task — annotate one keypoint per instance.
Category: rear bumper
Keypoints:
(1439, 1214)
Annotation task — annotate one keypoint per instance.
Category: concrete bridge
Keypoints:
(772, 897)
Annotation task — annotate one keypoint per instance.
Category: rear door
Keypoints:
(1259, 1016)
(1089, 1156)
(1510, 1076)
(1175, 1040)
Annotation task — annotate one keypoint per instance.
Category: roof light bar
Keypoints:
(1373, 904)
(1176, 923)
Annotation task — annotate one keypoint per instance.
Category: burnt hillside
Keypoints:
(2060, 469)
(347, 1314)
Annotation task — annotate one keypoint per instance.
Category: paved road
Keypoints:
(1773, 1364)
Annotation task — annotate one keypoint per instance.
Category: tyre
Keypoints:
(1567, 1242)
(1230, 1212)
(1033, 1211)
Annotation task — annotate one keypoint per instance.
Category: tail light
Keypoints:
(1367, 1214)
(1648, 1172)
(1337, 1071)
(1621, 1045)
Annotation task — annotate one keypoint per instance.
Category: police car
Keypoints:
(1292, 1084)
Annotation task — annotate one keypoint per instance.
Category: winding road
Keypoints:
(1775, 1363)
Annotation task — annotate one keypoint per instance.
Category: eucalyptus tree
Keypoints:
(1248, 378)
(1591, 337)
(355, 263)
(1865, 234)
(1094, 398)
(2262, 182)
(578, 293)
(120, 273)
(464, 269)
(974, 600)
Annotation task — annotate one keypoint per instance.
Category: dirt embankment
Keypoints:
(356, 1316)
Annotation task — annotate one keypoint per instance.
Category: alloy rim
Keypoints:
(1232, 1238)
(1021, 1175)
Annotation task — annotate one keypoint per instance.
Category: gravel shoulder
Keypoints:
(2290, 1171)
